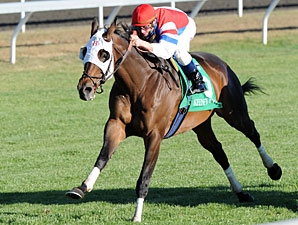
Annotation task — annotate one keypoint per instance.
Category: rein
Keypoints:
(105, 77)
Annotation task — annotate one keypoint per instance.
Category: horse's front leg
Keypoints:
(152, 145)
(113, 135)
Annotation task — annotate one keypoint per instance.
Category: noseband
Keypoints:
(100, 81)
(105, 77)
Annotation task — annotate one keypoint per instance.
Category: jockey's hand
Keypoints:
(136, 41)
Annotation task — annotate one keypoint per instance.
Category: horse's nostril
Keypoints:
(88, 89)
(86, 93)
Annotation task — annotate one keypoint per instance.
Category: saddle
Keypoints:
(195, 102)
(189, 103)
(198, 101)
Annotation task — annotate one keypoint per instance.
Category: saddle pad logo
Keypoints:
(200, 102)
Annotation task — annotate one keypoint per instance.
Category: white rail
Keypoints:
(265, 19)
(240, 8)
(28, 8)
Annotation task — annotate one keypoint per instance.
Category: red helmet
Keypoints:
(143, 15)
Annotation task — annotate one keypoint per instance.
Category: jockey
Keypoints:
(167, 32)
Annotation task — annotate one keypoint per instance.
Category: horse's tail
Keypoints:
(250, 87)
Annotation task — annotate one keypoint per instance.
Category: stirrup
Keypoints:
(199, 89)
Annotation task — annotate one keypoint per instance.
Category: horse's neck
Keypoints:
(139, 72)
(133, 73)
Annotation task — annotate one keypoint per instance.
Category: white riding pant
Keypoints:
(183, 46)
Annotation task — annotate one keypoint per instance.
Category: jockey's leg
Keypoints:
(191, 71)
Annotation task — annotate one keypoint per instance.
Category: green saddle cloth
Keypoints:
(199, 101)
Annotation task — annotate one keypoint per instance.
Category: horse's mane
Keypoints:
(159, 64)
(124, 31)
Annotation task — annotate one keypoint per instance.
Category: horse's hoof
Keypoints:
(244, 197)
(274, 172)
(136, 219)
(75, 193)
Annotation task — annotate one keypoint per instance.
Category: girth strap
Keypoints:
(177, 122)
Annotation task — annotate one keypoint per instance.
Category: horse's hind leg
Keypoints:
(236, 114)
(274, 171)
(247, 127)
(208, 140)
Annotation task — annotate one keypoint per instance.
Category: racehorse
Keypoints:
(144, 100)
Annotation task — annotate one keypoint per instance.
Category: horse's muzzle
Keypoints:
(86, 93)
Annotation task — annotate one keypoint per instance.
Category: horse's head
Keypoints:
(98, 61)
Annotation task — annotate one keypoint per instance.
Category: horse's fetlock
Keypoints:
(86, 188)
(83, 187)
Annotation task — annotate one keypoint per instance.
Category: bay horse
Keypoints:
(144, 100)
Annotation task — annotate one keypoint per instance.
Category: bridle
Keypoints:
(101, 80)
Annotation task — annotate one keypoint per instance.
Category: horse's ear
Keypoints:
(111, 29)
(94, 26)
(115, 21)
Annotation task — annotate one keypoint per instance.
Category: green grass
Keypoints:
(50, 140)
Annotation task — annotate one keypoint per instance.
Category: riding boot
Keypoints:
(196, 78)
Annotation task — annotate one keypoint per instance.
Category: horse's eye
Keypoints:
(103, 55)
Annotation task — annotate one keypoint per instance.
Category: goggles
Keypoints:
(145, 28)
